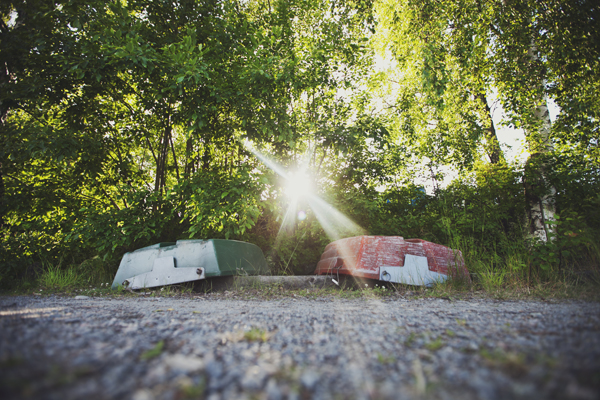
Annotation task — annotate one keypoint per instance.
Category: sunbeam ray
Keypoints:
(335, 224)
(265, 160)
(288, 218)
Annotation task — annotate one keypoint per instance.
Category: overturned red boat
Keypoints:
(392, 259)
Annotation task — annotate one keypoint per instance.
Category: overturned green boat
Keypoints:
(188, 260)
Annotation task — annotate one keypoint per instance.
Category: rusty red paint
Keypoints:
(362, 256)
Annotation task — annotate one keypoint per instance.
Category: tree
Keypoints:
(476, 47)
(444, 76)
(122, 121)
(539, 47)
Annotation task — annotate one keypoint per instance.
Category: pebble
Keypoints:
(309, 379)
(472, 346)
(185, 364)
(292, 348)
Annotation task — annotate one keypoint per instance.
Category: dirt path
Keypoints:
(197, 347)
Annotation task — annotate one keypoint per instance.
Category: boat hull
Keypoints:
(393, 259)
(157, 265)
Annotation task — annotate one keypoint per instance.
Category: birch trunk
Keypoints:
(538, 192)
(5, 77)
(492, 144)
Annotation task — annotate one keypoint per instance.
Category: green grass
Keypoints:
(256, 335)
(383, 359)
(56, 278)
(434, 345)
(512, 362)
(153, 352)
(193, 391)
(486, 281)
(68, 284)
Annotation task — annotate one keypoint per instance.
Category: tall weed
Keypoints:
(54, 277)
(490, 279)
(96, 270)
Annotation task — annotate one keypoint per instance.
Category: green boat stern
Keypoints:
(188, 260)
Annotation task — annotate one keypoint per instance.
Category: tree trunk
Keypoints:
(492, 144)
(539, 193)
(539, 196)
(189, 159)
(4, 79)
(163, 155)
(174, 155)
(2, 194)
(206, 157)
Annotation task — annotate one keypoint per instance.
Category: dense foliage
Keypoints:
(126, 123)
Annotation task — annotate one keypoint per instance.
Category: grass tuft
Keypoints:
(383, 359)
(434, 345)
(56, 278)
(153, 352)
(256, 335)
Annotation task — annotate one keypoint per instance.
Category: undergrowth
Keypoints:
(480, 285)
(521, 271)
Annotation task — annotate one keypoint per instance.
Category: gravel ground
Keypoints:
(297, 348)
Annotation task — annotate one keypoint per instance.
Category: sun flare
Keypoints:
(298, 185)
(299, 188)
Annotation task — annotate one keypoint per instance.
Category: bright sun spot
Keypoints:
(298, 185)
